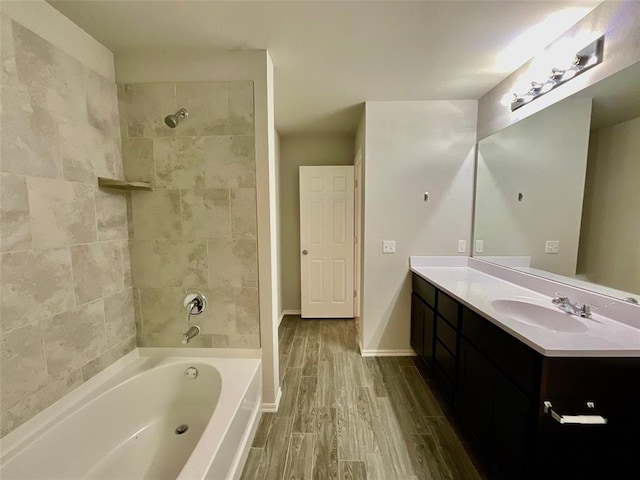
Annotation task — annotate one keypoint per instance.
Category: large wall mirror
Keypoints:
(558, 193)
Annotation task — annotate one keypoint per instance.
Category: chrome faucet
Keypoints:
(189, 334)
(195, 303)
(572, 308)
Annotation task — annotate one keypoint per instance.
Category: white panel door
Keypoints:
(326, 241)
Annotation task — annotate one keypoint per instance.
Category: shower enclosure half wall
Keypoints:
(196, 230)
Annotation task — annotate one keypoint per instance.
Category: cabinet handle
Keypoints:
(574, 419)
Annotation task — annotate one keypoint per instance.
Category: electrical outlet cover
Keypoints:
(388, 246)
(552, 246)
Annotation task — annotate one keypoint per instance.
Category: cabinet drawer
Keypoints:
(424, 289)
(447, 335)
(511, 356)
(448, 308)
(445, 360)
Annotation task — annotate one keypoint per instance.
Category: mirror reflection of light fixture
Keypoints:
(586, 58)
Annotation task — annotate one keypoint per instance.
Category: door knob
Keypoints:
(304, 252)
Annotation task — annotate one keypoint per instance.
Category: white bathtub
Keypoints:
(122, 423)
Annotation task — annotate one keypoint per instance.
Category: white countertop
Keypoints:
(477, 290)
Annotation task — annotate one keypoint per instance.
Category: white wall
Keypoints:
(294, 153)
(544, 157)
(256, 65)
(411, 148)
(610, 238)
(619, 21)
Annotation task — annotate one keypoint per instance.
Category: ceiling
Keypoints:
(331, 56)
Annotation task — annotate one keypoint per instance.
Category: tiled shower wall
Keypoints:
(197, 229)
(66, 309)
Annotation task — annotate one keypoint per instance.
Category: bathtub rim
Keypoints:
(15, 441)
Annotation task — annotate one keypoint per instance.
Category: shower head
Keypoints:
(173, 120)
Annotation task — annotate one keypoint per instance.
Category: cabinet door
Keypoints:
(474, 397)
(429, 333)
(512, 431)
(417, 325)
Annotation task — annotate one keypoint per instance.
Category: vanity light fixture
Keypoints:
(586, 58)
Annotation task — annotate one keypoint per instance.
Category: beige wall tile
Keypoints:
(220, 315)
(230, 162)
(145, 263)
(184, 264)
(243, 213)
(15, 226)
(233, 263)
(37, 402)
(137, 158)
(98, 364)
(59, 121)
(205, 213)
(8, 73)
(28, 138)
(147, 105)
(126, 263)
(102, 105)
(62, 213)
(87, 152)
(179, 162)
(207, 106)
(247, 311)
(22, 363)
(136, 309)
(156, 214)
(111, 213)
(241, 112)
(122, 112)
(162, 310)
(76, 153)
(169, 263)
(235, 341)
(35, 284)
(55, 79)
(130, 214)
(97, 270)
(173, 340)
(74, 338)
(119, 317)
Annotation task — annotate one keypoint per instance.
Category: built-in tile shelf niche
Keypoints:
(123, 184)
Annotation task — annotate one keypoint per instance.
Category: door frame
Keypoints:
(349, 290)
(357, 233)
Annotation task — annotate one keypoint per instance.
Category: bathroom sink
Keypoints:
(539, 316)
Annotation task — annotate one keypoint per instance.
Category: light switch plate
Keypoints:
(479, 246)
(462, 246)
(388, 246)
(552, 246)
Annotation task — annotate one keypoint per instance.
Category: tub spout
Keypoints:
(192, 332)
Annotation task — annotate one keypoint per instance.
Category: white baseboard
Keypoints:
(388, 353)
(272, 407)
(287, 312)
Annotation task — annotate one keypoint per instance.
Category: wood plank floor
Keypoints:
(343, 416)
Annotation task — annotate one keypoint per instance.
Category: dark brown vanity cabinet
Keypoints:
(423, 302)
(496, 411)
(496, 387)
